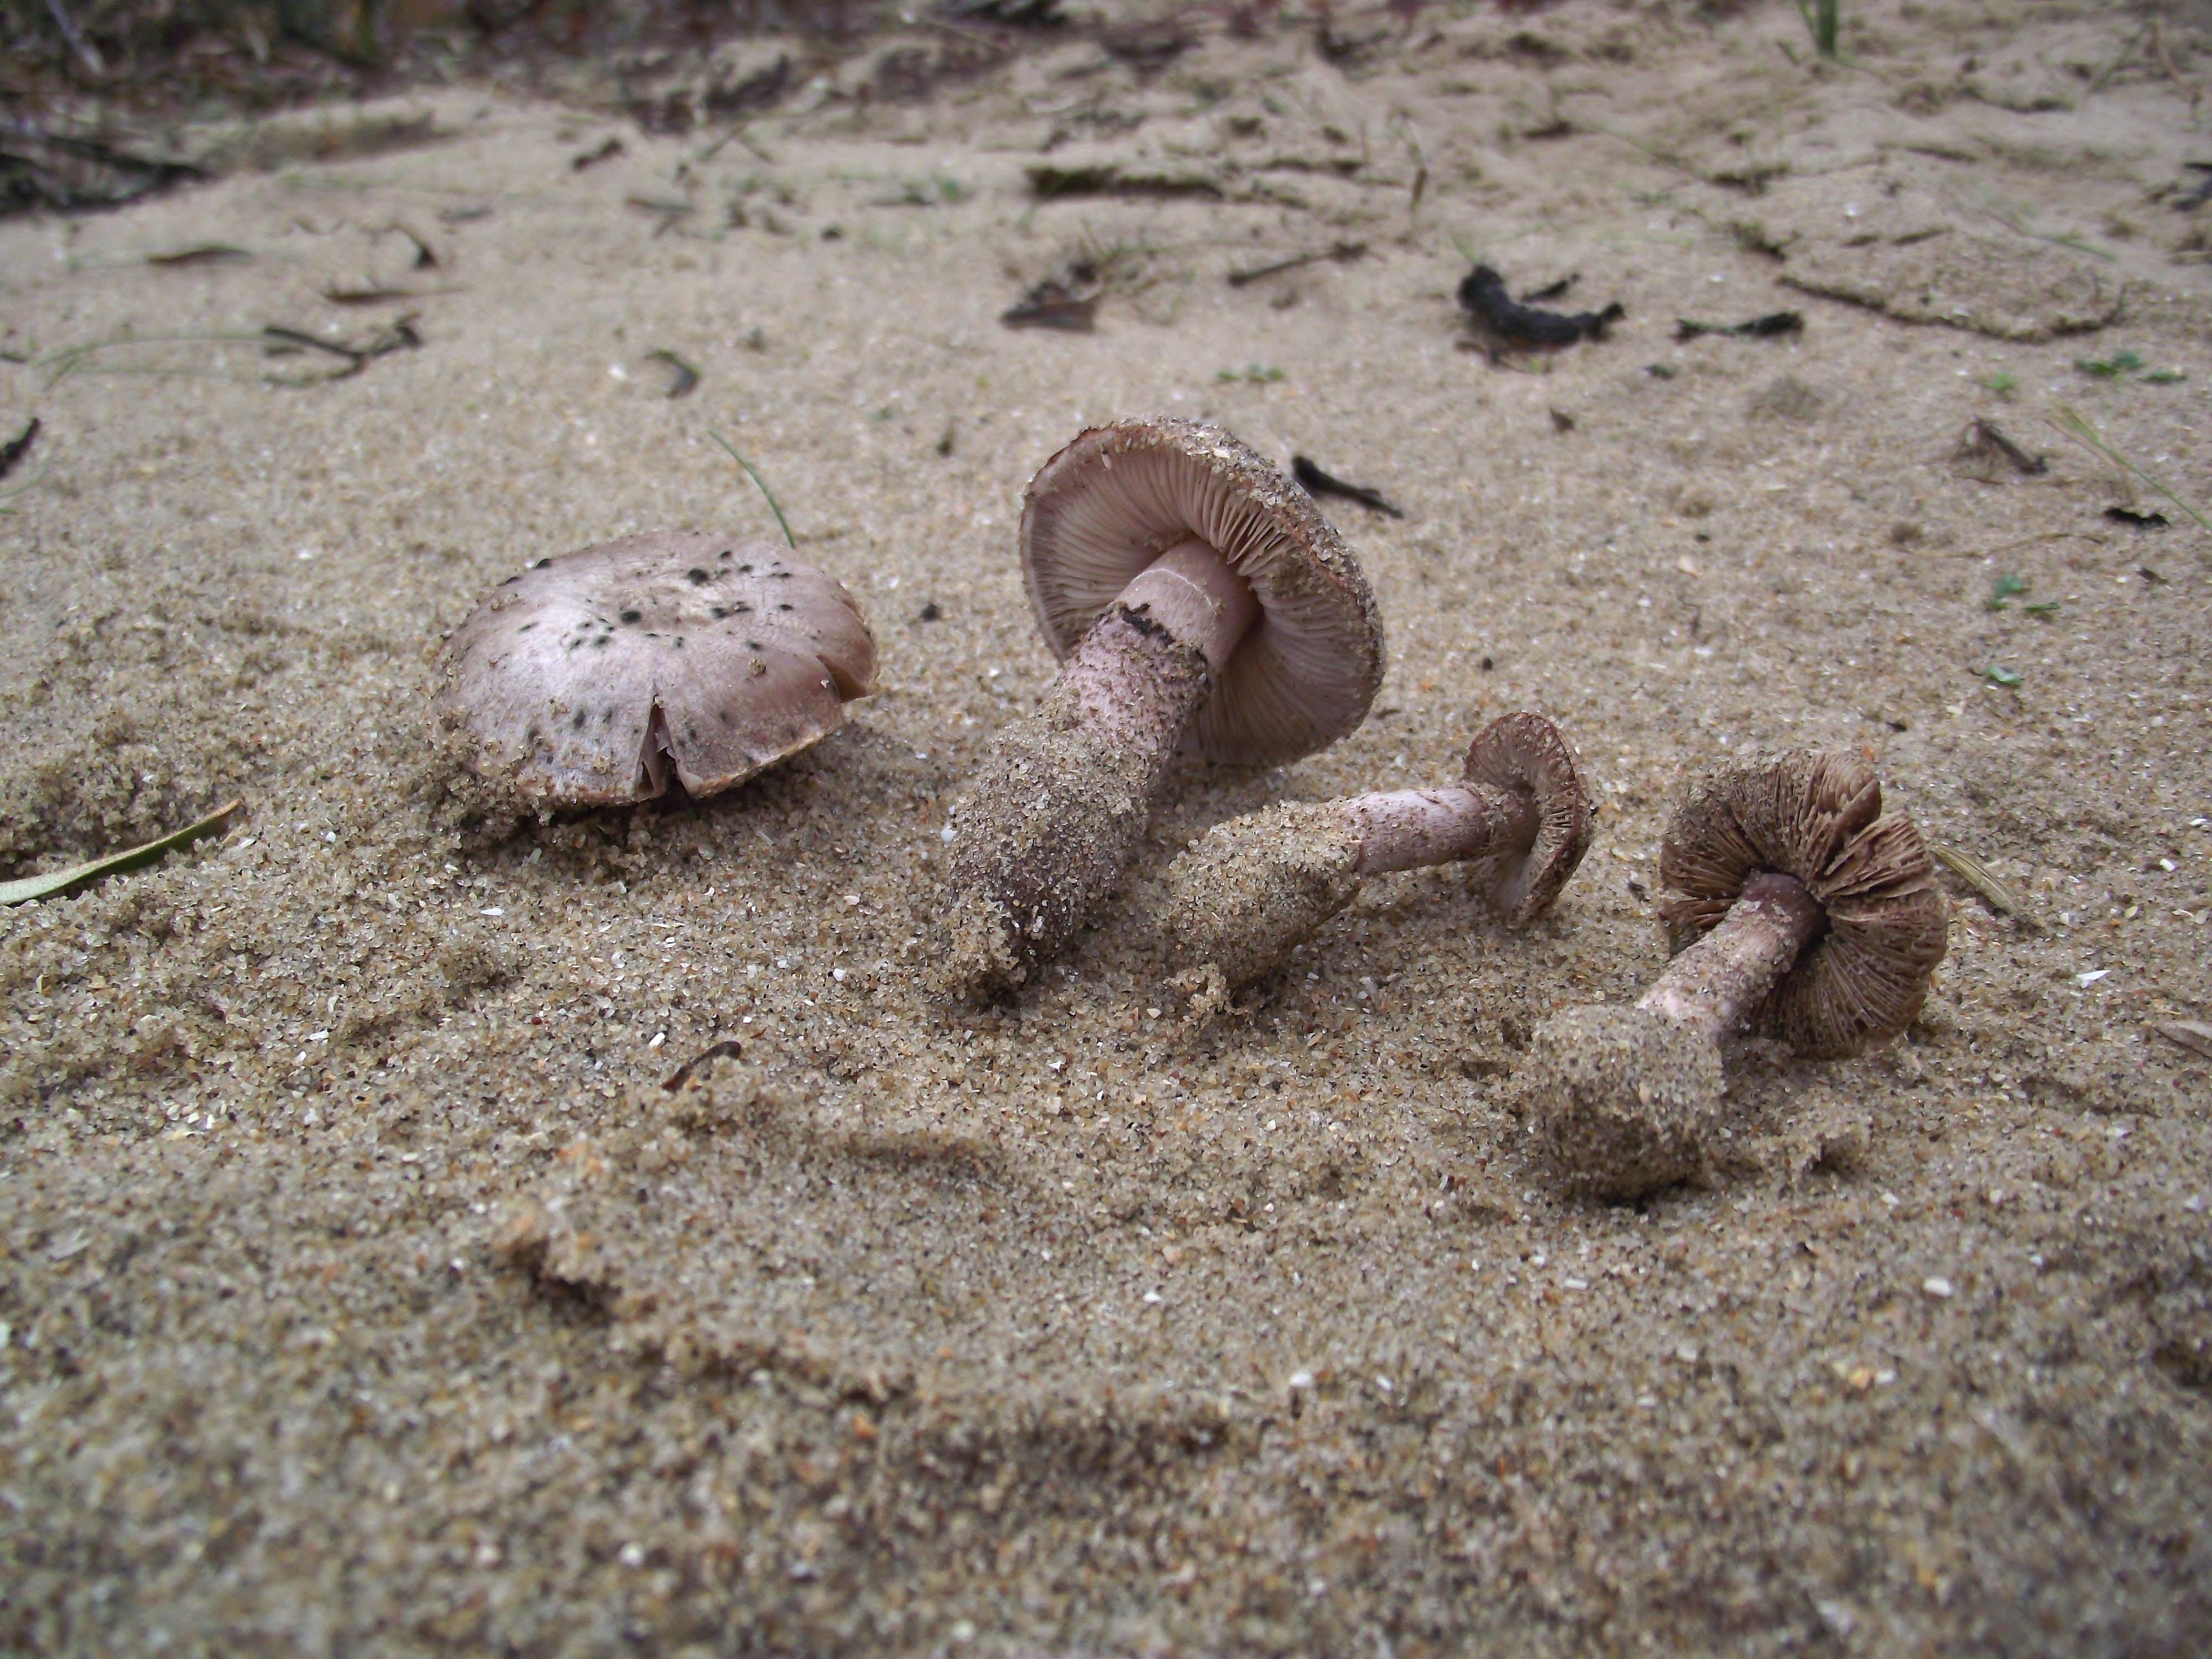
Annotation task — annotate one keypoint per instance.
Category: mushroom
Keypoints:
(1254, 888)
(1799, 910)
(1196, 598)
(592, 678)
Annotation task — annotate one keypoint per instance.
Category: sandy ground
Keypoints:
(361, 1290)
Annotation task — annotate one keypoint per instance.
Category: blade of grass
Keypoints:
(781, 523)
(2069, 421)
(60, 881)
(1976, 874)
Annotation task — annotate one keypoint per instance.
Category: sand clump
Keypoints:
(364, 1290)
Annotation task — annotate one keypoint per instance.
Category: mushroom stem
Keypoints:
(1714, 984)
(1057, 810)
(1412, 829)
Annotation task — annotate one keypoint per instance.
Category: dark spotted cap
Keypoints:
(589, 680)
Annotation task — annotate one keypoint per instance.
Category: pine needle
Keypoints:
(781, 523)
(60, 881)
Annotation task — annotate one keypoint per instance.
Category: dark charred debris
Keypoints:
(2199, 194)
(591, 158)
(1318, 483)
(1508, 322)
(12, 452)
(1775, 325)
(2134, 519)
(682, 379)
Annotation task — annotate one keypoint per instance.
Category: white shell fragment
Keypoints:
(592, 678)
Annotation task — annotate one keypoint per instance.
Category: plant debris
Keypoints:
(1550, 291)
(210, 253)
(2200, 194)
(1976, 874)
(2193, 1035)
(2134, 519)
(42, 169)
(2069, 421)
(1053, 304)
(727, 1048)
(1483, 296)
(1772, 326)
(55, 882)
(1318, 483)
(591, 158)
(399, 334)
(1342, 252)
(2006, 587)
(16, 447)
(682, 379)
(1983, 450)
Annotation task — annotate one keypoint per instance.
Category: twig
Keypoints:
(781, 523)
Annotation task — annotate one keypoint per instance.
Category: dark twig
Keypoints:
(1318, 483)
(1342, 252)
(728, 1048)
(682, 378)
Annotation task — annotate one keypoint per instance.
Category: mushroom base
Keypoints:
(1256, 888)
(1052, 818)
(1627, 1100)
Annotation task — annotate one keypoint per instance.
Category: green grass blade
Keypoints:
(2069, 421)
(60, 881)
(781, 523)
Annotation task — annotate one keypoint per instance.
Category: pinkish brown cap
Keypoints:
(1527, 753)
(1816, 815)
(1112, 501)
(589, 678)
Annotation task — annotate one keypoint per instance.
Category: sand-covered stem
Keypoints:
(1050, 821)
(1256, 888)
(1631, 1096)
(1712, 985)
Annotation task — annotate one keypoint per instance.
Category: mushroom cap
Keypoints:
(1817, 816)
(1527, 754)
(586, 678)
(1105, 507)
(1626, 1100)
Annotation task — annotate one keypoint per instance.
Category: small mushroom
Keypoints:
(1257, 887)
(1196, 597)
(1798, 910)
(592, 678)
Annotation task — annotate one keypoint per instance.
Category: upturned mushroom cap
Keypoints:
(1527, 754)
(585, 680)
(1816, 815)
(1112, 501)
(1626, 1100)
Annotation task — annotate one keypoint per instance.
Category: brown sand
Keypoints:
(361, 1289)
